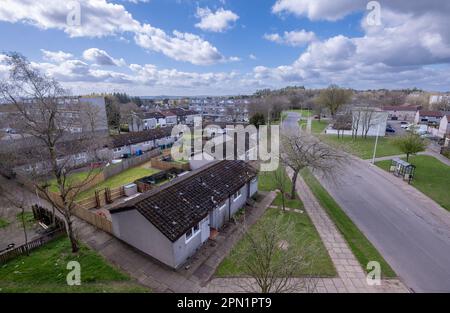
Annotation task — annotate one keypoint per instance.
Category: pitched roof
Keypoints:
(167, 113)
(156, 115)
(432, 113)
(176, 207)
(182, 112)
(401, 108)
(137, 137)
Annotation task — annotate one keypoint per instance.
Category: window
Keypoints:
(237, 195)
(192, 232)
(189, 234)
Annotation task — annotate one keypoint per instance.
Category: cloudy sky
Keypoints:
(222, 47)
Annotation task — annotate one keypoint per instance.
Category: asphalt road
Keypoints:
(410, 230)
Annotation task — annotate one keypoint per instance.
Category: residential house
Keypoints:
(26, 156)
(170, 117)
(131, 143)
(439, 98)
(147, 121)
(429, 117)
(77, 114)
(185, 116)
(170, 223)
(402, 113)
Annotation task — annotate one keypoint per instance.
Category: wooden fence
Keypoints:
(164, 165)
(101, 198)
(79, 211)
(131, 162)
(42, 215)
(34, 244)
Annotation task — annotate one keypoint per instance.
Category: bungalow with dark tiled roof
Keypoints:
(171, 222)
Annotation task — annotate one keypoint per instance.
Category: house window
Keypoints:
(237, 195)
(189, 234)
(192, 232)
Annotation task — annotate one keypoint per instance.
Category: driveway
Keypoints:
(410, 230)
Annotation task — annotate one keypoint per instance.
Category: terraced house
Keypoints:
(170, 223)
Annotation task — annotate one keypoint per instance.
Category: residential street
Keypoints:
(409, 229)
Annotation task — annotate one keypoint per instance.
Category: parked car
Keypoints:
(389, 129)
(404, 123)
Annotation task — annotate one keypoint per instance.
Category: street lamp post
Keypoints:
(376, 144)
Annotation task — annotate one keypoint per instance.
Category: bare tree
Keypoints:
(302, 150)
(274, 258)
(43, 106)
(281, 183)
(343, 122)
(356, 122)
(333, 98)
(368, 115)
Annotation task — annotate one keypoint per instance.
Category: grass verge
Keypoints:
(361, 247)
(432, 177)
(320, 260)
(363, 148)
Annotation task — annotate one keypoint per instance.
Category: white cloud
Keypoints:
(411, 47)
(181, 46)
(101, 57)
(319, 9)
(252, 56)
(138, 1)
(218, 21)
(56, 56)
(100, 18)
(293, 38)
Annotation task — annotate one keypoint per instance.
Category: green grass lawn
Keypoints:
(303, 112)
(45, 271)
(361, 247)
(318, 126)
(74, 178)
(363, 148)
(321, 264)
(266, 182)
(3, 223)
(126, 177)
(289, 203)
(432, 178)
